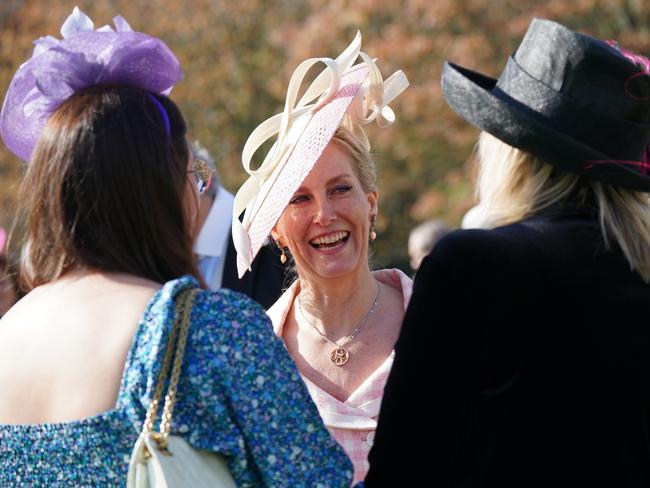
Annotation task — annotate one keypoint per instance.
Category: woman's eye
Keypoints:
(342, 189)
(298, 199)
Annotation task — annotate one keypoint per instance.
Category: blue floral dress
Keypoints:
(239, 394)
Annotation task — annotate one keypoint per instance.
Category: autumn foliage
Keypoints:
(238, 55)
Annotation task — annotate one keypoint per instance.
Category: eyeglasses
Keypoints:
(202, 175)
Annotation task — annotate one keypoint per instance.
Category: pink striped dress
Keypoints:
(352, 422)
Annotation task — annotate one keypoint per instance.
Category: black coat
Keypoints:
(264, 283)
(524, 361)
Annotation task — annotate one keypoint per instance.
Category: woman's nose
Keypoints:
(325, 213)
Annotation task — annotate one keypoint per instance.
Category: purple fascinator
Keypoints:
(84, 57)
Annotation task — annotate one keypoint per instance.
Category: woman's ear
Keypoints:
(372, 202)
(276, 237)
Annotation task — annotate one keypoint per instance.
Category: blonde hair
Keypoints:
(354, 141)
(512, 185)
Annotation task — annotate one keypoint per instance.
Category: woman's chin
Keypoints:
(332, 266)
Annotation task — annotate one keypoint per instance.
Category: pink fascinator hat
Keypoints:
(84, 57)
(303, 130)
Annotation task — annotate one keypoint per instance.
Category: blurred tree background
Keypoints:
(238, 55)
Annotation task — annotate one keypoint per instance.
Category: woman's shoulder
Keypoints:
(223, 325)
(485, 258)
(278, 312)
(228, 306)
(478, 245)
(396, 280)
(217, 318)
(214, 307)
(538, 239)
(392, 277)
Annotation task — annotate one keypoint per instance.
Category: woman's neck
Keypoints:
(336, 307)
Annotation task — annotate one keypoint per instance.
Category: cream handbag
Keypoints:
(160, 460)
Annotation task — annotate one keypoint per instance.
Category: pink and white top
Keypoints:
(352, 422)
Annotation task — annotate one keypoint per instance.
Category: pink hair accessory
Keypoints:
(3, 239)
(643, 165)
(641, 61)
(303, 130)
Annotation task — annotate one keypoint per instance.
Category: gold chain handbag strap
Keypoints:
(178, 336)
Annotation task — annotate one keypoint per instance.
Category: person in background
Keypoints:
(540, 374)
(316, 194)
(423, 238)
(110, 199)
(215, 249)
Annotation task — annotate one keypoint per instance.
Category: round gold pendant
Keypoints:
(339, 356)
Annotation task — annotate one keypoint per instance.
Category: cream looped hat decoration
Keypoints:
(303, 131)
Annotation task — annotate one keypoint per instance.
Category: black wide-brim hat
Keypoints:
(571, 100)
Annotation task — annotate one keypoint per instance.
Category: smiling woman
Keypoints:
(339, 320)
(318, 199)
(327, 222)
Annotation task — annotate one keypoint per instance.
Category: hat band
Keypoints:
(621, 140)
(163, 114)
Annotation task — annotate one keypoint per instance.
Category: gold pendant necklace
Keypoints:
(340, 355)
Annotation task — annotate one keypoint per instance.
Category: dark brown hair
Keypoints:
(105, 189)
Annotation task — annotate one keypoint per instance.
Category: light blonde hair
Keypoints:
(354, 141)
(513, 185)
